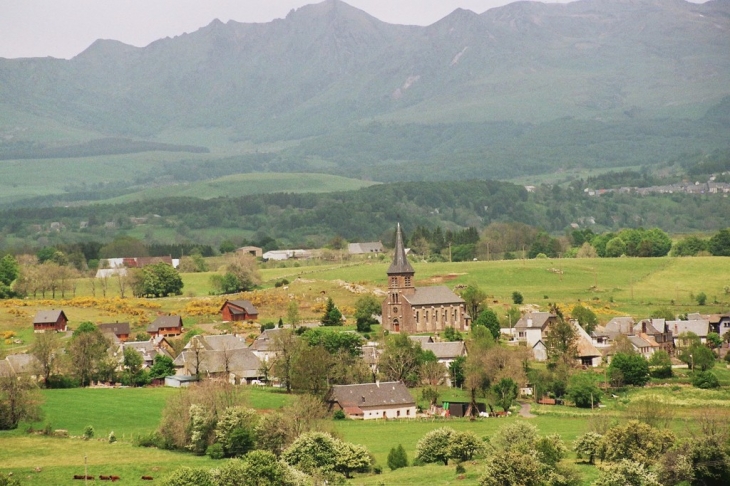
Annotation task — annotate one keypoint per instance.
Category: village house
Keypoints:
(166, 326)
(239, 311)
(263, 346)
(119, 329)
(50, 320)
(419, 309)
(531, 329)
(698, 326)
(370, 401)
(21, 364)
(238, 366)
(149, 350)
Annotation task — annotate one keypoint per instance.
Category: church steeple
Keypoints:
(400, 264)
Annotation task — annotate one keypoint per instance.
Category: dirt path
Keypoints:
(525, 411)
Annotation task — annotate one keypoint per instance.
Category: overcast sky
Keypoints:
(64, 28)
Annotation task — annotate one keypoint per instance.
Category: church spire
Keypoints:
(400, 262)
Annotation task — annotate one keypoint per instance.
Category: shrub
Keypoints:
(433, 447)
(587, 446)
(153, 439)
(112, 438)
(397, 458)
(378, 469)
(215, 451)
(701, 298)
(517, 298)
(460, 469)
(339, 415)
(583, 391)
(633, 367)
(187, 476)
(705, 379)
(88, 432)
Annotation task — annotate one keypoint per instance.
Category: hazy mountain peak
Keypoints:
(102, 48)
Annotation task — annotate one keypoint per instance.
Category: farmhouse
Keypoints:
(365, 248)
(50, 320)
(239, 310)
(264, 346)
(251, 250)
(147, 349)
(166, 326)
(532, 326)
(419, 309)
(373, 400)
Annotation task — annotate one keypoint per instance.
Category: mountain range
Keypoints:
(527, 88)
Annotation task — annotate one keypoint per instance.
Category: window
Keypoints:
(395, 310)
(418, 316)
(397, 414)
(408, 281)
(408, 412)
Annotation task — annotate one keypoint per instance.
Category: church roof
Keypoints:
(437, 295)
(400, 261)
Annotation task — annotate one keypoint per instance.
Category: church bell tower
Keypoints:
(400, 283)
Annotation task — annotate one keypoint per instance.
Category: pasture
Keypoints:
(130, 412)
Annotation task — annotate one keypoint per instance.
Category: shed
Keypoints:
(180, 381)
(239, 310)
(50, 320)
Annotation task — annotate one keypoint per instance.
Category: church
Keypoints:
(419, 309)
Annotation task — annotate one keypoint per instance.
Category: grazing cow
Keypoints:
(147, 478)
(115, 478)
(105, 478)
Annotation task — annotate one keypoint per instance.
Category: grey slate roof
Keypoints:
(623, 325)
(265, 341)
(164, 321)
(400, 261)
(371, 395)
(448, 350)
(440, 294)
(147, 349)
(224, 342)
(241, 362)
(370, 355)
(22, 363)
(699, 327)
(243, 304)
(370, 247)
(534, 320)
(639, 342)
(46, 316)
(116, 328)
(421, 339)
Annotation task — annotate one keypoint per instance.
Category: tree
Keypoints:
(292, 313)
(635, 441)
(615, 247)
(587, 446)
(457, 371)
(162, 366)
(366, 307)
(696, 355)
(585, 317)
(474, 297)
(714, 340)
(46, 349)
(9, 272)
(401, 360)
(287, 345)
(434, 446)
(319, 452)
(244, 268)
(660, 364)
(583, 391)
(464, 446)
(257, 468)
(627, 473)
(517, 298)
(133, 373)
(696, 461)
(235, 430)
(310, 370)
(158, 280)
(332, 315)
(506, 392)
(561, 341)
(513, 468)
(488, 319)
(86, 350)
(719, 244)
(397, 458)
(19, 401)
(634, 368)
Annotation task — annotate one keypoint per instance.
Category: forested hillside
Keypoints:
(366, 214)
